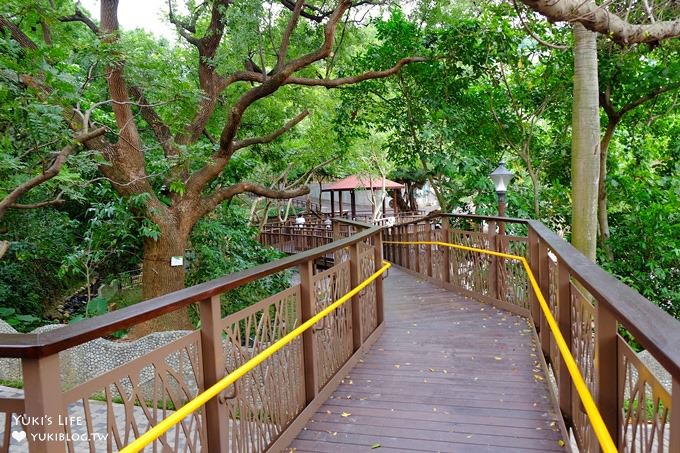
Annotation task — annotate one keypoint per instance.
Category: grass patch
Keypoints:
(17, 384)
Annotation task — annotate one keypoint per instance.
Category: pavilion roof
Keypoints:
(362, 182)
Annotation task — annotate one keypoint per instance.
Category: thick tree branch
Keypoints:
(606, 103)
(53, 170)
(333, 83)
(18, 35)
(185, 30)
(597, 18)
(648, 97)
(160, 130)
(43, 204)
(210, 203)
(534, 35)
(273, 136)
(79, 16)
(292, 23)
(329, 38)
(4, 246)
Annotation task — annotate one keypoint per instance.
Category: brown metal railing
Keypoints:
(590, 306)
(261, 411)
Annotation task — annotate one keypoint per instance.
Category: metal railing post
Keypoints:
(43, 404)
(428, 238)
(355, 279)
(214, 369)
(607, 369)
(544, 285)
(446, 276)
(564, 321)
(533, 264)
(493, 262)
(307, 310)
(675, 417)
(378, 259)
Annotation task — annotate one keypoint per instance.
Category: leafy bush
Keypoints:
(224, 243)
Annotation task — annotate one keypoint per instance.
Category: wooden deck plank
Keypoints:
(448, 374)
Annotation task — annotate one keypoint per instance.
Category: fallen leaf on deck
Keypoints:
(561, 443)
(498, 358)
(374, 446)
(345, 414)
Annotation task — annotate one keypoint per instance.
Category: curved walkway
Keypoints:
(449, 374)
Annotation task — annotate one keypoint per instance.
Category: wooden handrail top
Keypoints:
(54, 341)
(355, 223)
(652, 327)
(467, 216)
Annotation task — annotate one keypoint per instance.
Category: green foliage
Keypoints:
(223, 244)
(22, 323)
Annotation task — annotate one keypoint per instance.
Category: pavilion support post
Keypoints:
(395, 205)
(43, 404)
(384, 208)
(353, 202)
(332, 203)
(340, 202)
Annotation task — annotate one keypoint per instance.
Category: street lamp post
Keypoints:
(501, 177)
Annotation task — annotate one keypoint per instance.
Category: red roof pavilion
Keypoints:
(356, 182)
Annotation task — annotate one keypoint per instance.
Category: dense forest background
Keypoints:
(119, 149)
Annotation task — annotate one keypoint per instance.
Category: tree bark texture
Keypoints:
(160, 277)
(585, 148)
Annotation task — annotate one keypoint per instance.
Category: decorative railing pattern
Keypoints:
(645, 413)
(334, 337)
(473, 274)
(257, 413)
(296, 239)
(590, 307)
(583, 326)
(258, 406)
(138, 396)
(367, 297)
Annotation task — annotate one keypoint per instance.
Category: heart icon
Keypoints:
(19, 435)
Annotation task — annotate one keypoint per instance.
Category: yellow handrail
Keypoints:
(167, 423)
(600, 429)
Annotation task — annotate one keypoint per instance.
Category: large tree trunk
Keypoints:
(602, 215)
(585, 149)
(159, 277)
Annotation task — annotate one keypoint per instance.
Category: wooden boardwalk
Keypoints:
(448, 374)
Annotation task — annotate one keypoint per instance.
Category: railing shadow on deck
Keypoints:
(264, 410)
(589, 305)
